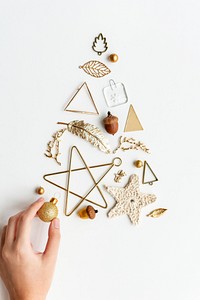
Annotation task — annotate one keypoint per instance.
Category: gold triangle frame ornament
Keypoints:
(143, 175)
(116, 162)
(132, 121)
(91, 98)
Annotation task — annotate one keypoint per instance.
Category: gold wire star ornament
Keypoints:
(116, 162)
(129, 200)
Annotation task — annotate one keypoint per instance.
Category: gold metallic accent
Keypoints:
(95, 68)
(90, 95)
(54, 201)
(116, 162)
(100, 45)
(90, 133)
(48, 211)
(119, 175)
(132, 121)
(143, 175)
(113, 57)
(53, 146)
(86, 131)
(156, 213)
(40, 190)
(130, 144)
(138, 163)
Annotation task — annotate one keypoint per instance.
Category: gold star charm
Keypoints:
(129, 199)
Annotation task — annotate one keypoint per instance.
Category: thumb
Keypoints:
(53, 242)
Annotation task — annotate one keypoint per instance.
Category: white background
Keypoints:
(42, 43)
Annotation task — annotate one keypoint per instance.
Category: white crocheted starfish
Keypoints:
(129, 199)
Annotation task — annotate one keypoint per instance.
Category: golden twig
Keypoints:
(54, 145)
(130, 144)
(119, 175)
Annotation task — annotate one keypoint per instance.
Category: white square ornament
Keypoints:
(115, 94)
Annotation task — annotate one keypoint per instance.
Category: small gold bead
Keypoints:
(113, 57)
(40, 190)
(138, 163)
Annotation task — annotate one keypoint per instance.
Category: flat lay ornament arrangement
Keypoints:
(130, 199)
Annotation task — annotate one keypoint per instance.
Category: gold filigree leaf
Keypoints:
(156, 213)
(95, 68)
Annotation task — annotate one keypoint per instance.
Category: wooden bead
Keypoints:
(113, 57)
(138, 163)
(40, 190)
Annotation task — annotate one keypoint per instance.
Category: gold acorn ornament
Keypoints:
(48, 211)
(111, 123)
(87, 212)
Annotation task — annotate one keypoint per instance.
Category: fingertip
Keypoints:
(53, 240)
(41, 199)
(56, 223)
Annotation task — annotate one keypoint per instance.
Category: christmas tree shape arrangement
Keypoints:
(85, 89)
(132, 121)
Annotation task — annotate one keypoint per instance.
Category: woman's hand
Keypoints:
(26, 274)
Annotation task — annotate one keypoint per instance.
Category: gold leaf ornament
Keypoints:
(86, 131)
(156, 213)
(90, 133)
(95, 68)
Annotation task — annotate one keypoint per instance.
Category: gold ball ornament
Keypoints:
(113, 57)
(138, 163)
(48, 211)
(40, 190)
